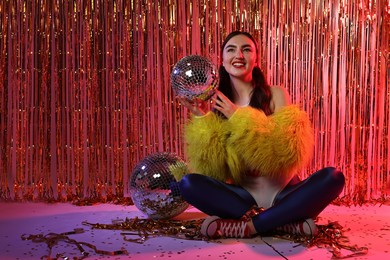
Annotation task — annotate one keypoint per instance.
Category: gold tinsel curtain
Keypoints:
(85, 91)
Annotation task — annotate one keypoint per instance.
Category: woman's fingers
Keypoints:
(185, 102)
(224, 105)
(222, 97)
(196, 106)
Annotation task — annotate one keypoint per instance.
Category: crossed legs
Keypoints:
(298, 201)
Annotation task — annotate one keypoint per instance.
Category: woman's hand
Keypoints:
(197, 106)
(224, 105)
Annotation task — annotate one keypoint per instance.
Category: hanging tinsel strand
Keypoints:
(85, 91)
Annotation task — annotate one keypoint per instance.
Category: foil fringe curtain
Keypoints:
(85, 91)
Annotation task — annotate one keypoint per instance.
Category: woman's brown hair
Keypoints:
(261, 97)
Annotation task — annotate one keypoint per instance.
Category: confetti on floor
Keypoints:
(365, 226)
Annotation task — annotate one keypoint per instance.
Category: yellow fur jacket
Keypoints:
(249, 142)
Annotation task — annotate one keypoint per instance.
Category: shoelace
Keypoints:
(230, 229)
(294, 228)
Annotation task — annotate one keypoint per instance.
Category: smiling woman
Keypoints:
(246, 158)
(240, 50)
(239, 59)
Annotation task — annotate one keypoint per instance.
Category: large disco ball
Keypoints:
(194, 76)
(153, 185)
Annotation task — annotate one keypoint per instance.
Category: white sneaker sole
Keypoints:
(209, 226)
(310, 228)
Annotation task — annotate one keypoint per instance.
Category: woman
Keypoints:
(247, 152)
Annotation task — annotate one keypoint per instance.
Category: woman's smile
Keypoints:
(239, 57)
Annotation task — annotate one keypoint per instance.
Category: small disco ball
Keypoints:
(153, 185)
(194, 76)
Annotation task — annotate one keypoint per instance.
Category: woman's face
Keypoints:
(239, 57)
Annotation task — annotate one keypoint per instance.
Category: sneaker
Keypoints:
(306, 227)
(215, 227)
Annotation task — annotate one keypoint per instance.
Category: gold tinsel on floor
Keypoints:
(330, 236)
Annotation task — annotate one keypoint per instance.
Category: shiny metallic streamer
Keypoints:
(53, 239)
(330, 236)
(85, 93)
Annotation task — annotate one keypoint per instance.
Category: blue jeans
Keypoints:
(299, 200)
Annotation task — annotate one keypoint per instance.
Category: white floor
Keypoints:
(366, 226)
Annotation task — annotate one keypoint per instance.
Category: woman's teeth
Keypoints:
(238, 64)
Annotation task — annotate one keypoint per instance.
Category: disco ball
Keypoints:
(153, 185)
(194, 76)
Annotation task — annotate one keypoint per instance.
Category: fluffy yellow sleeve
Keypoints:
(205, 138)
(273, 146)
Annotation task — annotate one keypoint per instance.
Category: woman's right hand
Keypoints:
(197, 106)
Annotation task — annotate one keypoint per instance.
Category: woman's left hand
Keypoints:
(196, 106)
(224, 105)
